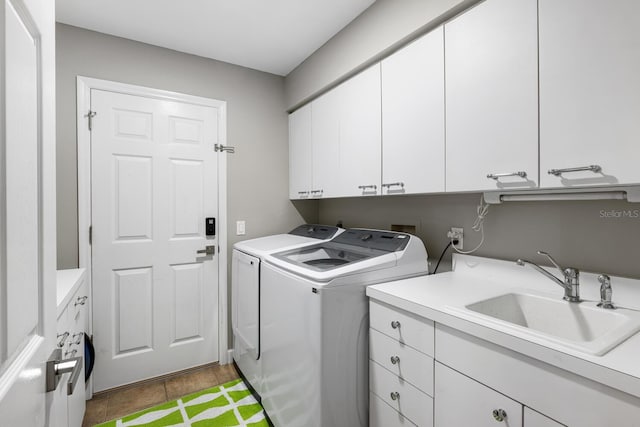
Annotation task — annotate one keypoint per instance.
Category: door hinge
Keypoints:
(90, 115)
(219, 147)
(90, 234)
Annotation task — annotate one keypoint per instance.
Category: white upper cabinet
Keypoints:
(300, 170)
(325, 145)
(359, 161)
(492, 97)
(345, 136)
(589, 92)
(413, 117)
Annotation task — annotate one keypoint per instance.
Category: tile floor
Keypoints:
(127, 400)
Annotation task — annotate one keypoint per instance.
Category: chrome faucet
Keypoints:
(605, 292)
(571, 283)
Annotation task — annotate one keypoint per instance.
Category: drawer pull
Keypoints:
(499, 415)
(62, 339)
(395, 395)
(395, 324)
(395, 360)
(81, 301)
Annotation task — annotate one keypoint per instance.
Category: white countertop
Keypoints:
(441, 298)
(67, 283)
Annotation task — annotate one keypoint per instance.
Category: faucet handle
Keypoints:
(553, 261)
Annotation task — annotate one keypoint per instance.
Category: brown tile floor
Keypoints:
(127, 400)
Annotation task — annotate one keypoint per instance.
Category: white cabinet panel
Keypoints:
(461, 401)
(589, 91)
(492, 96)
(300, 170)
(359, 161)
(413, 117)
(383, 415)
(325, 145)
(401, 396)
(536, 419)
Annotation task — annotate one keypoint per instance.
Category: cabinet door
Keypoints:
(413, 117)
(325, 143)
(359, 160)
(589, 91)
(492, 96)
(461, 401)
(536, 419)
(300, 153)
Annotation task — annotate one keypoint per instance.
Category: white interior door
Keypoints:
(27, 209)
(154, 181)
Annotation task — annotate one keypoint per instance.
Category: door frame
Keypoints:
(83, 103)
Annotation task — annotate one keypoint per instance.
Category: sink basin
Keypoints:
(581, 326)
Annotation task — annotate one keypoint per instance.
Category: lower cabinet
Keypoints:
(426, 374)
(69, 409)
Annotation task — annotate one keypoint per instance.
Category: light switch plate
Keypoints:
(240, 228)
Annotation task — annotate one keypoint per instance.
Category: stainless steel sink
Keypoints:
(581, 326)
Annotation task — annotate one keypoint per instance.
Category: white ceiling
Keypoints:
(268, 35)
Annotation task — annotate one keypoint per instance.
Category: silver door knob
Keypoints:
(395, 395)
(208, 250)
(499, 415)
(56, 367)
(395, 360)
(395, 324)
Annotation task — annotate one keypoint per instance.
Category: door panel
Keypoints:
(27, 212)
(154, 181)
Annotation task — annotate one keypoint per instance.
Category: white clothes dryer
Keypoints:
(315, 321)
(245, 292)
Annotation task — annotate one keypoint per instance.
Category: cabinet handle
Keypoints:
(395, 395)
(317, 191)
(395, 324)
(592, 168)
(302, 193)
(364, 187)
(62, 339)
(393, 184)
(395, 360)
(81, 300)
(77, 338)
(499, 415)
(496, 176)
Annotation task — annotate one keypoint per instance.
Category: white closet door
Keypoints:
(413, 117)
(589, 91)
(491, 60)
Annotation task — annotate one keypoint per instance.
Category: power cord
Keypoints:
(451, 243)
(478, 225)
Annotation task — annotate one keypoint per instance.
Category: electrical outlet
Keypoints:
(456, 233)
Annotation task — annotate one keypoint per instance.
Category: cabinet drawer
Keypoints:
(405, 327)
(410, 402)
(409, 364)
(464, 402)
(383, 415)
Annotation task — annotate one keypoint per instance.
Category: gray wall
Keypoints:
(382, 28)
(586, 234)
(256, 126)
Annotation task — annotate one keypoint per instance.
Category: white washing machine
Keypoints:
(245, 292)
(315, 321)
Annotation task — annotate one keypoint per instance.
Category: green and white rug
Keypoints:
(226, 405)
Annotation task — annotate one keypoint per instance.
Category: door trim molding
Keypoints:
(83, 103)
